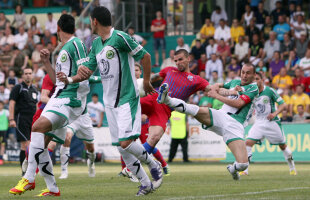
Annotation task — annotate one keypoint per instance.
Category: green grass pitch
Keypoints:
(187, 181)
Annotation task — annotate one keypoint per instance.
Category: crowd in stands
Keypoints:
(276, 43)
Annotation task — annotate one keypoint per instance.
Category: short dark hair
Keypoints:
(300, 105)
(66, 23)
(259, 74)
(103, 16)
(27, 68)
(49, 13)
(185, 52)
(249, 65)
(94, 95)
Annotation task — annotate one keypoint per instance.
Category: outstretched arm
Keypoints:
(278, 111)
(218, 87)
(236, 103)
(83, 74)
(146, 64)
(45, 58)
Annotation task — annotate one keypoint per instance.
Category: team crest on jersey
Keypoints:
(63, 58)
(34, 95)
(110, 54)
(265, 100)
(190, 77)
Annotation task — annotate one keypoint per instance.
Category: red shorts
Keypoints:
(144, 132)
(36, 116)
(158, 114)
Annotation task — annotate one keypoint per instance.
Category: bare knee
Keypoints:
(68, 139)
(249, 143)
(282, 146)
(90, 147)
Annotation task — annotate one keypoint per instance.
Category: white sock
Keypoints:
(135, 166)
(46, 170)
(180, 106)
(91, 156)
(239, 167)
(289, 158)
(36, 148)
(64, 158)
(139, 151)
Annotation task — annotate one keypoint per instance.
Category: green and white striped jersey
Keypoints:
(115, 58)
(68, 61)
(248, 94)
(265, 103)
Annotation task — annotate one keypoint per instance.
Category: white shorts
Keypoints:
(60, 113)
(83, 128)
(58, 135)
(226, 126)
(124, 121)
(271, 130)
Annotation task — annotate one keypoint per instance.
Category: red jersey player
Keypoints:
(182, 85)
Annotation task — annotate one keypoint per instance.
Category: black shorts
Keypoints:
(23, 127)
(2, 137)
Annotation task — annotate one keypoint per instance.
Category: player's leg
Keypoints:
(173, 149)
(91, 156)
(289, 158)
(249, 145)
(65, 154)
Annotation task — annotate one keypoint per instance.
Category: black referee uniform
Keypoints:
(26, 99)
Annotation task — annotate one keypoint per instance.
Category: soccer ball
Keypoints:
(140, 87)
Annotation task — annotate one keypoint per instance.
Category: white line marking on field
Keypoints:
(238, 194)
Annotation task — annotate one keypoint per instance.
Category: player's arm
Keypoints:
(94, 79)
(45, 58)
(156, 77)
(236, 103)
(146, 65)
(83, 74)
(45, 96)
(11, 113)
(281, 107)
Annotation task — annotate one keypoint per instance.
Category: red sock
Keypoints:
(123, 163)
(160, 158)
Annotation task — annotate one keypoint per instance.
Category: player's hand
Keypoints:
(212, 94)
(271, 116)
(45, 55)
(12, 124)
(238, 88)
(84, 72)
(99, 125)
(148, 88)
(215, 87)
(62, 77)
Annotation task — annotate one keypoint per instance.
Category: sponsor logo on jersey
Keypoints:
(190, 77)
(63, 58)
(58, 67)
(104, 68)
(110, 54)
(81, 61)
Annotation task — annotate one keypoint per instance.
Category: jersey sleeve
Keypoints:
(94, 79)
(248, 95)
(80, 52)
(47, 83)
(202, 84)
(227, 85)
(276, 97)
(164, 72)
(128, 44)
(91, 61)
(15, 93)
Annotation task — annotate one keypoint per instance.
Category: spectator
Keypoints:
(215, 78)
(169, 62)
(282, 80)
(158, 28)
(19, 61)
(291, 11)
(6, 4)
(4, 125)
(272, 45)
(241, 49)
(308, 26)
(21, 38)
(179, 133)
(306, 85)
(304, 63)
(299, 98)
(96, 111)
(267, 28)
(285, 117)
(214, 64)
(292, 62)
(222, 32)
(51, 24)
(261, 15)
(301, 45)
(19, 18)
(34, 25)
(217, 15)
(49, 38)
(206, 31)
(298, 79)
(232, 75)
(202, 65)
(38, 75)
(277, 12)
(4, 22)
(281, 28)
(223, 51)
(4, 94)
(8, 38)
(2, 75)
(251, 30)
(83, 31)
(247, 16)
(182, 45)
(261, 67)
(193, 64)
(284, 94)
(296, 13)
(301, 115)
(236, 31)
(138, 38)
(234, 66)
(255, 51)
(275, 65)
(286, 46)
(31, 42)
(11, 80)
(298, 27)
(211, 48)
(198, 49)
(22, 107)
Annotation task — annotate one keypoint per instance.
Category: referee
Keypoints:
(22, 106)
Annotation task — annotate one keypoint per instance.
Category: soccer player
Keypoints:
(229, 121)
(114, 53)
(66, 105)
(267, 124)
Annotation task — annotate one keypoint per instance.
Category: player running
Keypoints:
(114, 53)
(228, 122)
(66, 105)
(267, 124)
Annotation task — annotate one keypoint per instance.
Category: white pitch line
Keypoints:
(245, 193)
